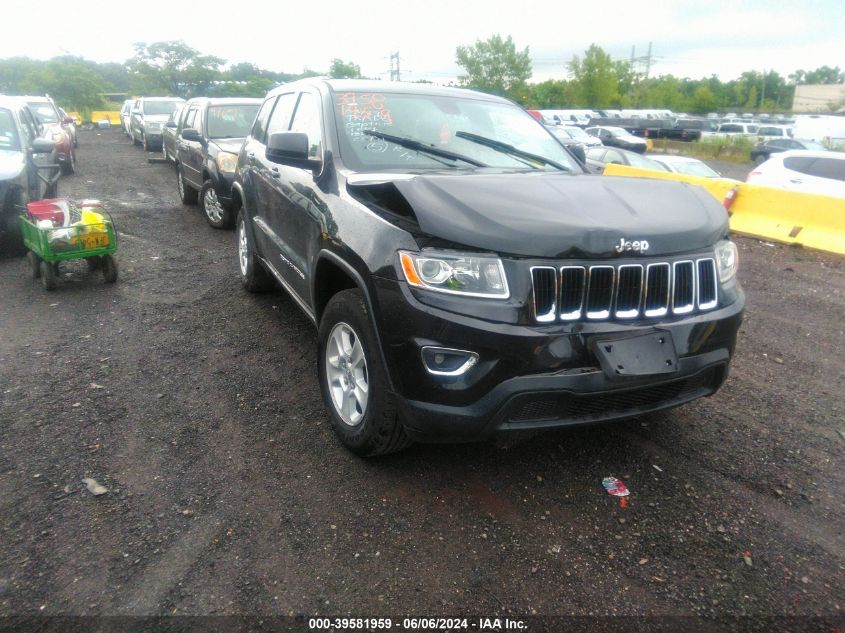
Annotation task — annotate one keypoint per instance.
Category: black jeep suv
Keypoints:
(208, 138)
(466, 277)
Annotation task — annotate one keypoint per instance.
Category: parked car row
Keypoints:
(30, 149)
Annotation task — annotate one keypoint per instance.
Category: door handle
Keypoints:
(274, 172)
(796, 181)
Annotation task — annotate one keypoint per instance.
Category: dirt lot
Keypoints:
(197, 406)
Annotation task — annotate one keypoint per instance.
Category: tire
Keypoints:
(187, 194)
(254, 276)
(217, 215)
(93, 263)
(52, 190)
(49, 275)
(69, 166)
(34, 264)
(164, 153)
(759, 159)
(135, 141)
(145, 144)
(109, 266)
(353, 382)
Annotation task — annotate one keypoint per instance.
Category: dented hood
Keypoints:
(561, 215)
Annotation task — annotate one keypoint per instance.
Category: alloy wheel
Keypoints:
(346, 369)
(212, 206)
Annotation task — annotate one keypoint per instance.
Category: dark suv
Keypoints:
(465, 274)
(208, 137)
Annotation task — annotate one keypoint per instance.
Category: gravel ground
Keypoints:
(197, 406)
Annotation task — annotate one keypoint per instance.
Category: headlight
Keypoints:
(227, 162)
(456, 273)
(727, 260)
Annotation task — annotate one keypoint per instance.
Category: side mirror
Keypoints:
(191, 134)
(578, 152)
(42, 146)
(290, 148)
(136, 111)
(171, 124)
(68, 119)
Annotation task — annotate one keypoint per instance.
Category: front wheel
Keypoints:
(109, 266)
(49, 275)
(34, 264)
(186, 194)
(217, 215)
(759, 159)
(69, 166)
(254, 277)
(353, 381)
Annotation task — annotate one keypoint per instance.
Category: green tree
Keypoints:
(344, 70)
(703, 100)
(172, 68)
(596, 77)
(821, 75)
(494, 65)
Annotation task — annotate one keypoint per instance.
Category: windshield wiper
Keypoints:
(504, 148)
(410, 143)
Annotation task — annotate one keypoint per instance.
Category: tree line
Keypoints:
(495, 65)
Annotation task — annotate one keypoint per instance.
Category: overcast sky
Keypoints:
(689, 38)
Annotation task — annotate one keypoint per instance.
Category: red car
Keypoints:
(48, 114)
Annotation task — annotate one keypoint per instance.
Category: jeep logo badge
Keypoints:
(638, 246)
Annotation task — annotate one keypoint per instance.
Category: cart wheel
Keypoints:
(35, 264)
(93, 263)
(109, 265)
(49, 275)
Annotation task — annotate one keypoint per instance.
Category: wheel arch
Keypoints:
(333, 274)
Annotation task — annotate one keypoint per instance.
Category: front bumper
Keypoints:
(532, 376)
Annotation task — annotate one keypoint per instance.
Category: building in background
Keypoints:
(819, 98)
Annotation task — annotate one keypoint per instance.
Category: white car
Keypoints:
(685, 165)
(821, 173)
(774, 131)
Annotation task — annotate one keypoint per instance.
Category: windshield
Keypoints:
(231, 121)
(575, 132)
(813, 145)
(618, 131)
(635, 160)
(160, 107)
(435, 120)
(696, 168)
(44, 112)
(8, 133)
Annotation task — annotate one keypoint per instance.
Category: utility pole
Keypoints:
(648, 62)
(763, 92)
(394, 69)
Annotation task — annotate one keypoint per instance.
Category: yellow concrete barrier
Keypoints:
(791, 217)
(776, 214)
(113, 116)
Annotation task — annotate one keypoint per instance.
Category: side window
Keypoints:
(28, 127)
(779, 144)
(280, 119)
(259, 128)
(191, 117)
(612, 156)
(307, 120)
(800, 164)
(828, 168)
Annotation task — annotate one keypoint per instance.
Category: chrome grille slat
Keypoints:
(573, 281)
(623, 291)
(544, 280)
(629, 291)
(600, 290)
(707, 286)
(658, 284)
(683, 287)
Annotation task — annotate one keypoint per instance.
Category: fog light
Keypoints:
(443, 361)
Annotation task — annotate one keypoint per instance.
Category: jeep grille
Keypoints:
(624, 291)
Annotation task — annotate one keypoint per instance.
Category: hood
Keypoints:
(560, 215)
(11, 164)
(232, 145)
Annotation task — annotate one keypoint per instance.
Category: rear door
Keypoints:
(819, 175)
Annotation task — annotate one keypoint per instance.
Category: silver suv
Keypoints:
(149, 114)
